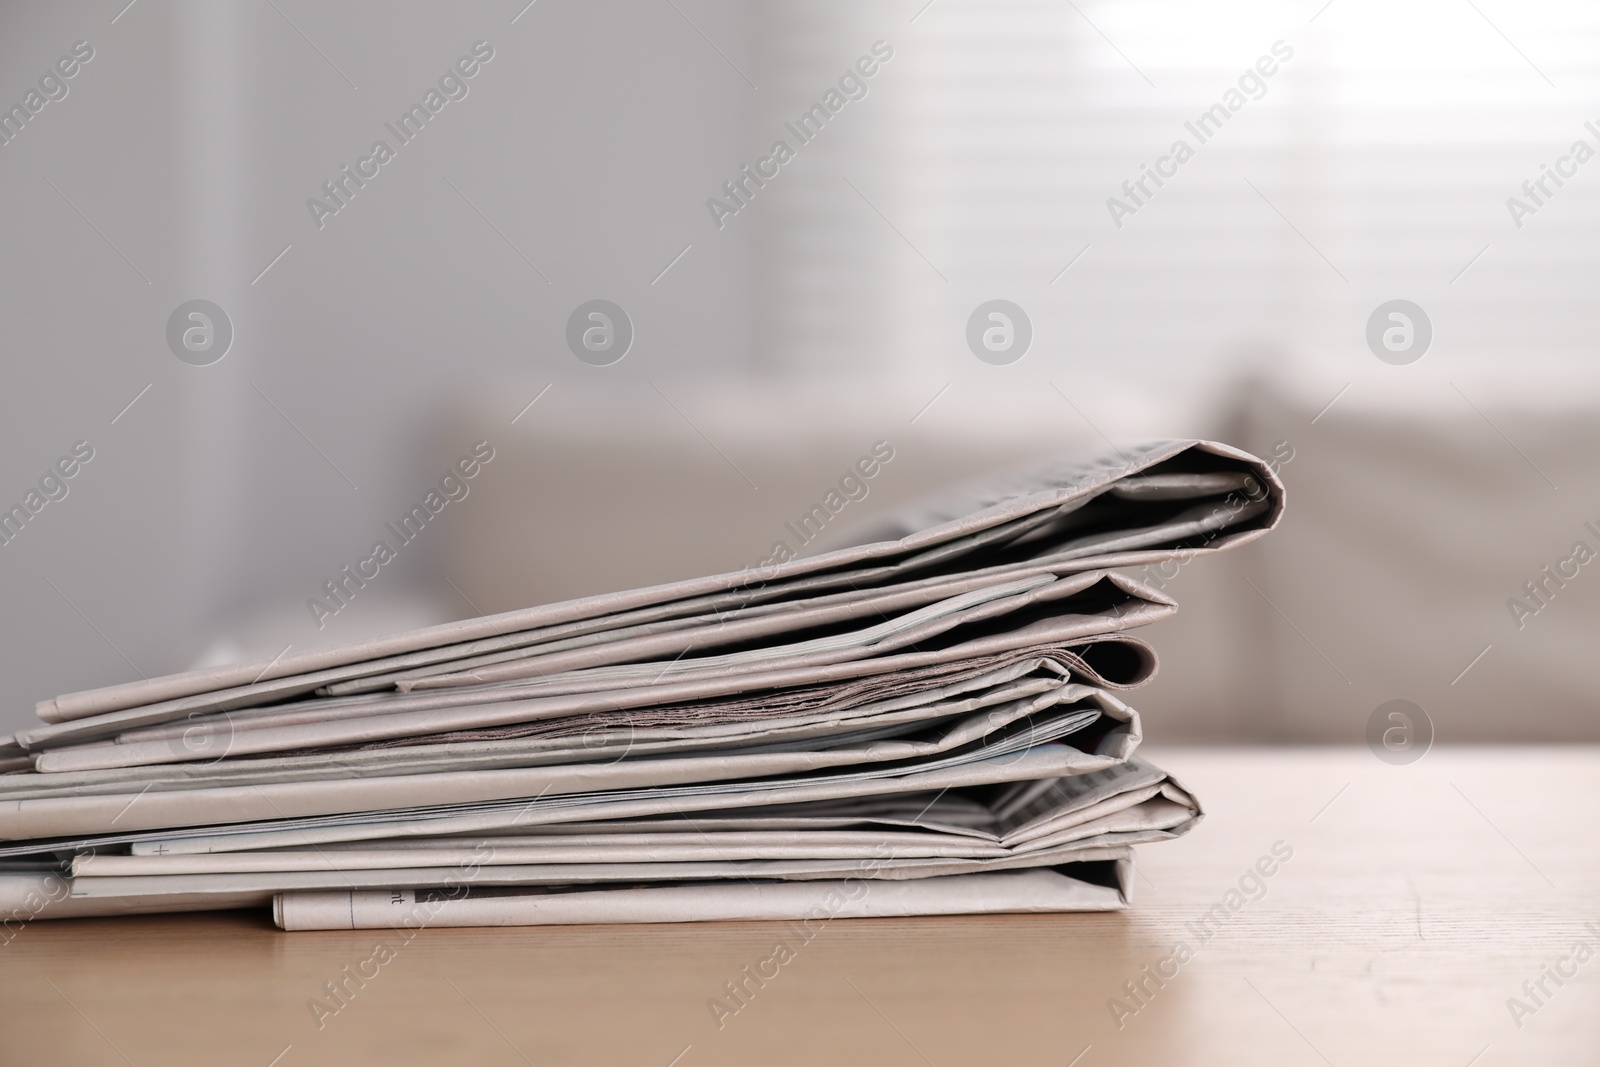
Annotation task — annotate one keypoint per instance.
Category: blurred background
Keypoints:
(363, 336)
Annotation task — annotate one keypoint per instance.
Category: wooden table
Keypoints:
(1417, 901)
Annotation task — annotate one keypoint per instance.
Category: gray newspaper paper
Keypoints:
(930, 723)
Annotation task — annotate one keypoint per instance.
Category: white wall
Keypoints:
(191, 142)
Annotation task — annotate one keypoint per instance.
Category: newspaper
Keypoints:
(1073, 887)
(927, 723)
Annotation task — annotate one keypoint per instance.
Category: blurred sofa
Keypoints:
(1411, 525)
(1430, 552)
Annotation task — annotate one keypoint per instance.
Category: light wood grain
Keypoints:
(1415, 904)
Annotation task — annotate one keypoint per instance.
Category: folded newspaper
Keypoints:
(925, 724)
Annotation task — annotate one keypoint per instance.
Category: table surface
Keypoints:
(1418, 900)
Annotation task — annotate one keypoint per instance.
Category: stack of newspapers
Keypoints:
(930, 723)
